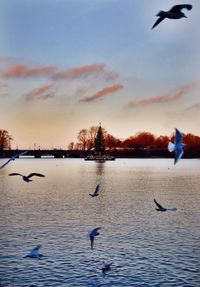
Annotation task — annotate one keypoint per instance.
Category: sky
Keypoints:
(70, 64)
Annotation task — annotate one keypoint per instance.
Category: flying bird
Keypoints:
(177, 146)
(160, 208)
(174, 13)
(13, 158)
(27, 178)
(92, 235)
(96, 192)
(106, 267)
(35, 252)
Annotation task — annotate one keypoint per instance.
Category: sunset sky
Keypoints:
(70, 64)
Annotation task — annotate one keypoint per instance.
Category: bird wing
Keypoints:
(159, 206)
(35, 174)
(16, 156)
(6, 163)
(94, 231)
(23, 153)
(178, 8)
(178, 137)
(178, 155)
(14, 173)
(97, 189)
(35, 251)
(158, 21)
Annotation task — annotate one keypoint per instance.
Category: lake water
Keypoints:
(147, 248)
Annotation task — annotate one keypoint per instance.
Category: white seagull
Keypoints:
(27, 178)
(174, 13)
(106, 267)
(13, 158)
(96, 192)
(92, 235)
(35, 252)
(160, 208)
(177, 146)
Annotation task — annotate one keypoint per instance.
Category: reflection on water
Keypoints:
(147, 248)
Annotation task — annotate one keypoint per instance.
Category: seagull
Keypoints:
(13, 158)
(34, 253)
(174, 13)
(96, 192)
(27, 178)
(92, 235)
(160, 208)
(177, 146)
(106, 267)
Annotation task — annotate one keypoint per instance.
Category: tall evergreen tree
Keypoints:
(99, 141)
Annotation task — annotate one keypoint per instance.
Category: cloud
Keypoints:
(22, 71)
(6, 59)
(39, 93)
(95, 70)
(163, 99)
(193, 107)
(102, 93)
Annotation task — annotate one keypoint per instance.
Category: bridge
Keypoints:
(42, 153)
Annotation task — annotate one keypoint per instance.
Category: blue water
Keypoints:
(147, 248)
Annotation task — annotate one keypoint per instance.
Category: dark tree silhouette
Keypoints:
(5, 140)
(96, 138)
(144, 140)
(111, 142)
(100, 141)
(82, 138)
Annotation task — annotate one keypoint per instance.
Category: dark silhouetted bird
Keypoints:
(96, 192)
(106, 267)
(174, 13)
(160, 208)
(92, 235)
(27, 178)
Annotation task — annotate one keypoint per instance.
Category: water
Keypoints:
(147, 248)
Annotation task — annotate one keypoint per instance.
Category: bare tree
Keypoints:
(5, 140)
(82, 138)
(71, 146)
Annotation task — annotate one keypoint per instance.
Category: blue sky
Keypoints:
(55, 55)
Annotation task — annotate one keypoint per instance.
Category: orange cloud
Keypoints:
(39, 93)
(102, 93)
(85, 71)
(163, 99)
(22, 71)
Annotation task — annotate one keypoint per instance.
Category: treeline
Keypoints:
(140, 143)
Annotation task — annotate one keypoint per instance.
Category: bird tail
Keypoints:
(171, 147)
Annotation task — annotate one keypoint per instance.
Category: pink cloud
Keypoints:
(102, 93)
(39, 93)
(94, 70)
(163, 99)
(22, 71)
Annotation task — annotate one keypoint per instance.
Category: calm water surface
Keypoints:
(147, 248)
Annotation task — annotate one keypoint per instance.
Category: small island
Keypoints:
(99, 148)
